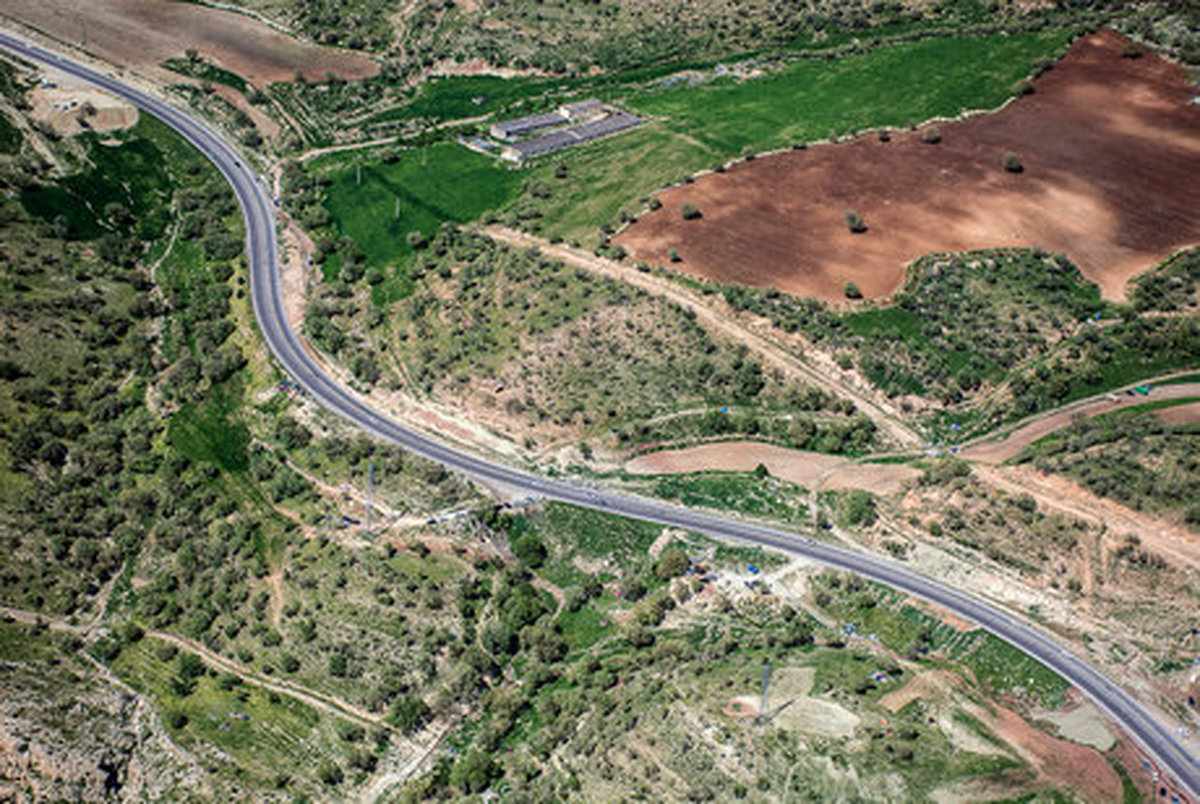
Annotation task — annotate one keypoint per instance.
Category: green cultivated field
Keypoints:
(743, 492)
(891, 86)
(453, 98)
(442, 183)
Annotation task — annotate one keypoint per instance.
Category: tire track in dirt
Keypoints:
(769, 350)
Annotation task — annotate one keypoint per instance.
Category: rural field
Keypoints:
(1108, 173)
(220, 583)
(239, 44)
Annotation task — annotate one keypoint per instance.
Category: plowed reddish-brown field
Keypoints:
(1111, 150)
(143, 33)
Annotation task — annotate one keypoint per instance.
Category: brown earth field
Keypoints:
(1111, 154)
(805, 469)
(1181, 414)
(144, 33)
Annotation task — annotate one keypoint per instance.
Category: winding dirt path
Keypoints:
(318, 700)
(1060, 494)
(771, 352)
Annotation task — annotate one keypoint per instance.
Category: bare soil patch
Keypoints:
(933, 684)
(1111, 155)
(1084, 724)
(880, 478)
(1181, 414)
(805, 469)
(143, 33)
(70, 106)
(1075, 767)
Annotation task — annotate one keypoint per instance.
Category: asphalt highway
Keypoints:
(267, 296)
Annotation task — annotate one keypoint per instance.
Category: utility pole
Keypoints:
(370, 492)
(397, 207)
(358, 174)
(763, 715)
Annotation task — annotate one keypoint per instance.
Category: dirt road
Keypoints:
(1007, 447)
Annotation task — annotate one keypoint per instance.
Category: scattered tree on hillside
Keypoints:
(1012, 162)
(855, 222)
(690, 212)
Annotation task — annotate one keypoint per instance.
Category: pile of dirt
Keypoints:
(1110, 148)
(143, 33)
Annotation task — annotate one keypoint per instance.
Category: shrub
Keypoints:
(855, 222)
(633, 589)
(409, 713)
(673, 561)
(673, 255)
(852, 292)
(885, 136)
(529, 549)
(858, 508)
(1131, 51)
(416, 239)
(474, 772)
(655, 203)
(175, 719)
(690, 212)
(329, 773)
(1012, 162)
(1023, 87)
(931, 135)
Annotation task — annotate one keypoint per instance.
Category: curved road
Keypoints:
(258, 211)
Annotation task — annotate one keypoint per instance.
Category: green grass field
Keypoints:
(742, 492)
(454, 97)
(445, 182)
(278, 737)
(891, 86)
(1003, 668)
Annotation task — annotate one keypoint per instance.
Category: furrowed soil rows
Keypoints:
(144, 33)
(1110, 149)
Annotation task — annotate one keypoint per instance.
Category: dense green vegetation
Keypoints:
(125, 190)
(959, 322)
(1132, 456)
(1172, 287)
(998, 335)
(79, 363)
